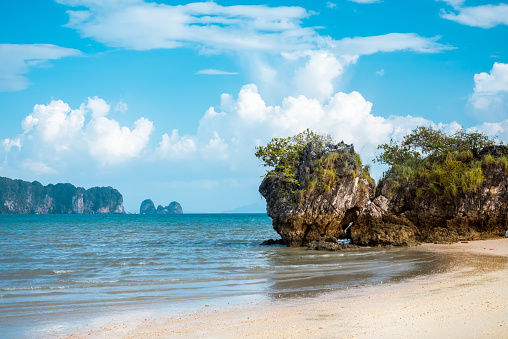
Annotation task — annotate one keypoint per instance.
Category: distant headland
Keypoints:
(148, 207)
(23, 197)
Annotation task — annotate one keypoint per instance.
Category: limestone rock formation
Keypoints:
(22, 197)
(401, 216)
(333, 189)
(147, 207)
(173, 208)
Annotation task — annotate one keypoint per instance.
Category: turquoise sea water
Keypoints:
(64, 273)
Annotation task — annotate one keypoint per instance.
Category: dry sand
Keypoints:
(470, 300)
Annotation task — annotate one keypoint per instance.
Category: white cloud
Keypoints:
(10, 143)
(121, 107)
(55, 124)
(281, 54)
(215, 72)
(111, 143)
(381, 72)
(55, 133)
(485, 16)
(248, 122)
(216, 148)
(176, 146)
(315, 79)
(18, 59)
(491, 89)
(211, 27)
(207, 25)
(331, 5)
(496, 129)
(99, 107)
(391, 42)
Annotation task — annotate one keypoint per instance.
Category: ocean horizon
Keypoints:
(64, 273)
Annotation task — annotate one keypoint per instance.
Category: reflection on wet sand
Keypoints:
(296, 273)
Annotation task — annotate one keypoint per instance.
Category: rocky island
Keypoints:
(438, 188)
(148, 207)
(23, 197)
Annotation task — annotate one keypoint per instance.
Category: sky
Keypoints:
(167, 100)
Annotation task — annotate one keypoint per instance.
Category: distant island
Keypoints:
(148, 207)
(23, 197)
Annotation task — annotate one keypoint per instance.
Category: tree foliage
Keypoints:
(441, 164)
(282, 154)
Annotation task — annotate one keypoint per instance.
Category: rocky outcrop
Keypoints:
(148, 207)
(173, 208)
(308, 212)
(22, 197)
(376, 225)
(404, 216)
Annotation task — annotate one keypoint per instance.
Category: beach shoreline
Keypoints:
(468, 300)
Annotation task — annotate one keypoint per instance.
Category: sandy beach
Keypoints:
(468, 300)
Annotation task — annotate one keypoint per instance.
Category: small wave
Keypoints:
(94, 282)
(30, 288)
(67, 271)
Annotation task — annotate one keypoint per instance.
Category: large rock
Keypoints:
(147, 207)
(173, 208)
(400, 216)
(301, 215)
(377, 226)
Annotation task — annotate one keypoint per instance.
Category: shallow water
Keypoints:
(61, 273)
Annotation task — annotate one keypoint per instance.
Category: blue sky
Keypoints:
(167, 100)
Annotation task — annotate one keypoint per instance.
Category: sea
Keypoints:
(64, 274)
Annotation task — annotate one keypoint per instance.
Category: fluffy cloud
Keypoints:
(491, 89)
(231, 133)
(315, 79)
(55, 132)
(18, 59)
(175, 147)
(485, 16)
(55, 124)
(112, 143)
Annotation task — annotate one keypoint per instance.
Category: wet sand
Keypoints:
(468, 300)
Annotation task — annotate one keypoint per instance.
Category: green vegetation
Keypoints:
(283, 154)
(439, 164)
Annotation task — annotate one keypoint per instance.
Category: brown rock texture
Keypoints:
(402, 217)
(301, 215)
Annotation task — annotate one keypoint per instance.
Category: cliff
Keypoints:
(331, 189)
(22, 197)
(148, 207)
